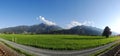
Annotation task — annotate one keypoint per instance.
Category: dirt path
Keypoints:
(6, 51)
(115, 51)
(44, 52)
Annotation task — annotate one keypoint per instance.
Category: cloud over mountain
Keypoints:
(45, 21)
(76, 23)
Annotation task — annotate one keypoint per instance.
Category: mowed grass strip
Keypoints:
(59, 42)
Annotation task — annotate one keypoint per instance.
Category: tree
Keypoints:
(106, 32)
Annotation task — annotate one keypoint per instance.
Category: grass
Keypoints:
(59, 42)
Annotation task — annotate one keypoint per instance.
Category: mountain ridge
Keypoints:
(52, 29)
(37, 28)
(80, 30)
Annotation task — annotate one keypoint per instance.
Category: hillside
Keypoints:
(38, 28)
(81, 30)
(52, 29)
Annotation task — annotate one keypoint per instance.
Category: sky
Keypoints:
(64, 13)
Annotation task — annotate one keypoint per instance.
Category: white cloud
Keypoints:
(76, 23)
(46, 21)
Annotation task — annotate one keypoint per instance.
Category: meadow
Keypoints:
(59, 42)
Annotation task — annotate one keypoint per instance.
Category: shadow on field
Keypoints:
(83, 38)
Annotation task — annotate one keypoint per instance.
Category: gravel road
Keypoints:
(45, 52)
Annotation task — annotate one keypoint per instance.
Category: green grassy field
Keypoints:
(59, 42)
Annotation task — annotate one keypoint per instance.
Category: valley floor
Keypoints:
(44, 52)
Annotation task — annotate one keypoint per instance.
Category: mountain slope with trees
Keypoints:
(34, 29)
(80, 30)
(52, 29)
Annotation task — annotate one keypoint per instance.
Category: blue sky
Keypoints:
(64, 13)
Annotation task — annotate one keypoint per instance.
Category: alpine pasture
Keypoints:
(59, 42)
